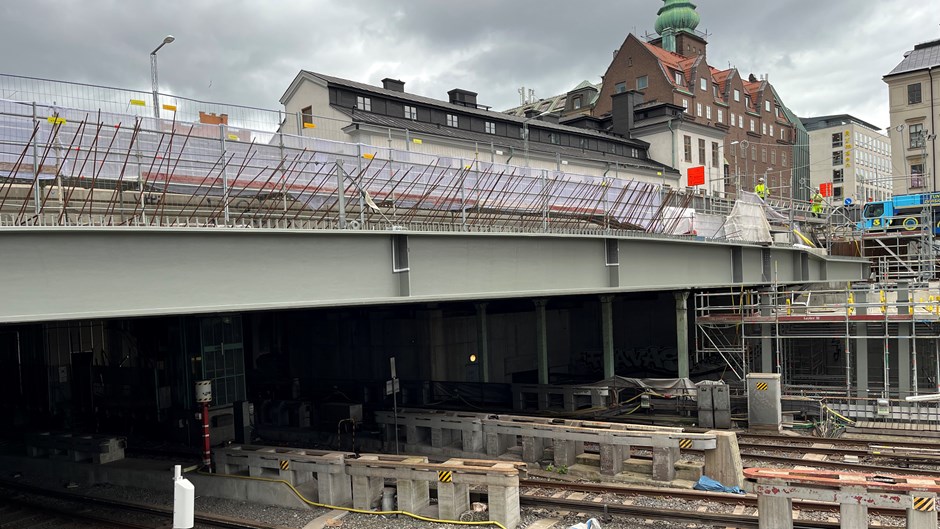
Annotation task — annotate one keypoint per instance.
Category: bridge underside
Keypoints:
(65, 274)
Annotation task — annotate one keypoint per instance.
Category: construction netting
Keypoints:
(748, 220)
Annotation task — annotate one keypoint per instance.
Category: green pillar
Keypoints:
(541, 339)
(682, 332)
(607, 334)
(483, 350)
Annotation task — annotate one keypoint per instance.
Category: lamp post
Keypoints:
(154, 82)
(737, 177)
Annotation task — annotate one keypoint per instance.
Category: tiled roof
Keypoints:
(925, 55)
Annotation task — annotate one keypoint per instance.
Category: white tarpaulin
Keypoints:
(678, 221)
(748, 220)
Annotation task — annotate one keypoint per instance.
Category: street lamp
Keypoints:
(153, 74)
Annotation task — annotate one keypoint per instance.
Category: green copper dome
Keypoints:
(678, 15)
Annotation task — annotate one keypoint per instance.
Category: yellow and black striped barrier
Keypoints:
(285, 464)
(445, 476)
(924, 504)
(761, 386)
(685, 444)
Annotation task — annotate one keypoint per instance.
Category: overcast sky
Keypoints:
(823, 56)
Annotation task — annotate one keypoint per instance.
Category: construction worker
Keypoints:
(816, 208)
(761, 189)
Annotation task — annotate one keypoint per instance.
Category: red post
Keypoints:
(206, 453)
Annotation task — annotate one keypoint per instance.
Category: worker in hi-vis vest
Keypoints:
(761, 189)
(817, 203)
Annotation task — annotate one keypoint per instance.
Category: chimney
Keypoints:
(462, 97)
(622, 111)
(393, 84)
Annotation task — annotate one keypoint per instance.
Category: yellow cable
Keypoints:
(350, 509)
(837, 414)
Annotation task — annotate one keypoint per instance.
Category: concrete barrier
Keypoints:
(414, 475)
(97, 449)
(324, 471)
(854, 492)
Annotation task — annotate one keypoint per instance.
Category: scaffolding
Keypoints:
(815, 338)
(66, 167)
(904, 249)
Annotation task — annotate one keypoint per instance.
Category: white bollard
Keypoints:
(184, 498)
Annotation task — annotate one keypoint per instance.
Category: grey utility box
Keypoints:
(714, 406)
(764, 410)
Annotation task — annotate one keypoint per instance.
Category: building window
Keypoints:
(763, 128)
(452, 120)
(685, 104)
(752, 125)
(771, 130)
(773, 157)
(364, 103)
(777, 111)
(306, 114)
(767, 105)
(733, 120)
(754, 153)
(701, 151)
(737, 94)
(411, 112)
(721, 116)
(576, 103)
(783, 159)
(715, 90)
(490, 127)
(837, 139)
(680, 80)
(619, 88)
(740, 122)
(703, 83)
(837, 158)
(687, 144)
(714, 154)
(708, 112)
(917, 135)
(913, 94)
(747, 101)
(554, 138)
(763, 154)
(837, 175)
(642, 82)
(837, 192)
(698, 109)
(917, 175)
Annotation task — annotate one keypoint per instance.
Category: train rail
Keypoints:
(72, 510)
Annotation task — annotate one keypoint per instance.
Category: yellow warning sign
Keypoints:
(309, 126)
(56, 120)
(685, 444)
(138, 102)
(444, 476)
(171, 108)
(761, 386)
(924, 504)
(285, 464)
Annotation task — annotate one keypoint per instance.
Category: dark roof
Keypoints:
(822, 122)
(495, 116)
(518, 145)
(925, 55)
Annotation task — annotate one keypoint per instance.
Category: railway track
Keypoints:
(40, 507)
(702, 508)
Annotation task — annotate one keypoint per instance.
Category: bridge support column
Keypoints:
(453, 499)
(607, 335)
(682, 332)
(904, 358)
(483, 349)
(541, 339)
(861, 360)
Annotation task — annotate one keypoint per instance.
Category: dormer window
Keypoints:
(703, 83)
(364, 103)
(576, 103)
(747, 101)
(737, 95)
(680, 79)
